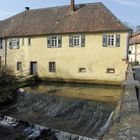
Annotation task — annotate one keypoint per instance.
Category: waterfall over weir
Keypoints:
(55, 117)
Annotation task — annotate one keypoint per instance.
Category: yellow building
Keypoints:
(84, 43)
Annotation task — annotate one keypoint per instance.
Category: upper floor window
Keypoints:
(1, 46)
(54, 41)
(77, 40)
(29, 41)
(14, 43)
(111, 40)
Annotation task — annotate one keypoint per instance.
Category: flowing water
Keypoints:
(70, 112)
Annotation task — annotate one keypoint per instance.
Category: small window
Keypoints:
(110, 70)
(52, 67)
(22, 41)
(19, 66)
(29, 41)
(82, 70)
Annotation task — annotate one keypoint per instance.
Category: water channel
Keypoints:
(79, 110)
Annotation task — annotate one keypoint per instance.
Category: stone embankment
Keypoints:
(127, 127)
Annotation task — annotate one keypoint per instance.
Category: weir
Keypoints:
(67, 117)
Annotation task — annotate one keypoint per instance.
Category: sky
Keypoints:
(126, 10)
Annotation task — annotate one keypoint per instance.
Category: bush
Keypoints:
(6, 76)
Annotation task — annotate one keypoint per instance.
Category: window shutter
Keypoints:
(49, 42)
(70, 41)
(18, 43)
(82, 40)
(104, 40)
(118, 40)
(0, 43)
(10, 43)
(59, 41)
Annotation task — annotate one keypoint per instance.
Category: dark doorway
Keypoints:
(33, 68)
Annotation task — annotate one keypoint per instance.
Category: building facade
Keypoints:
(84, 43)
(134, 48)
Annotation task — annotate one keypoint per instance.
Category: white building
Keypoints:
(134, 48)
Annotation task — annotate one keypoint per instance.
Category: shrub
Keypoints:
(6, 76)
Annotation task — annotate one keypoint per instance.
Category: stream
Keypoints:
(58, 112)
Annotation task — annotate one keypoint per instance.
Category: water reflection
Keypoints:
(109, 94)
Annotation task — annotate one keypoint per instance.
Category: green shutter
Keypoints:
(59, 41)
(104, 40)
(0, 43)
(10, 43)
(82, 40)
(70, 41)
(49, 42)
(18, 43)
(118, 40)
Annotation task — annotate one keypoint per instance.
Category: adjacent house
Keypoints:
(84, 43)
(134, 48)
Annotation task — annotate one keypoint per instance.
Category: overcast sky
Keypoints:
(125, 10)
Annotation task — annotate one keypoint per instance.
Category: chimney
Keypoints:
(27, 8)
(72, 5)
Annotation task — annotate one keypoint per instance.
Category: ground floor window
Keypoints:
(19, 66)
(52, 66)
(110, 70)
(82, 70)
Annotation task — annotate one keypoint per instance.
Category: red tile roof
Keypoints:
(134, 38)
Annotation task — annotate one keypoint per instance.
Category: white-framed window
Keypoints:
(77, 40)
(14, 43)
(111, 40)
(52, 67)
(54, 41)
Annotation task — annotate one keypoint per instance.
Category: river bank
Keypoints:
(7, 93)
